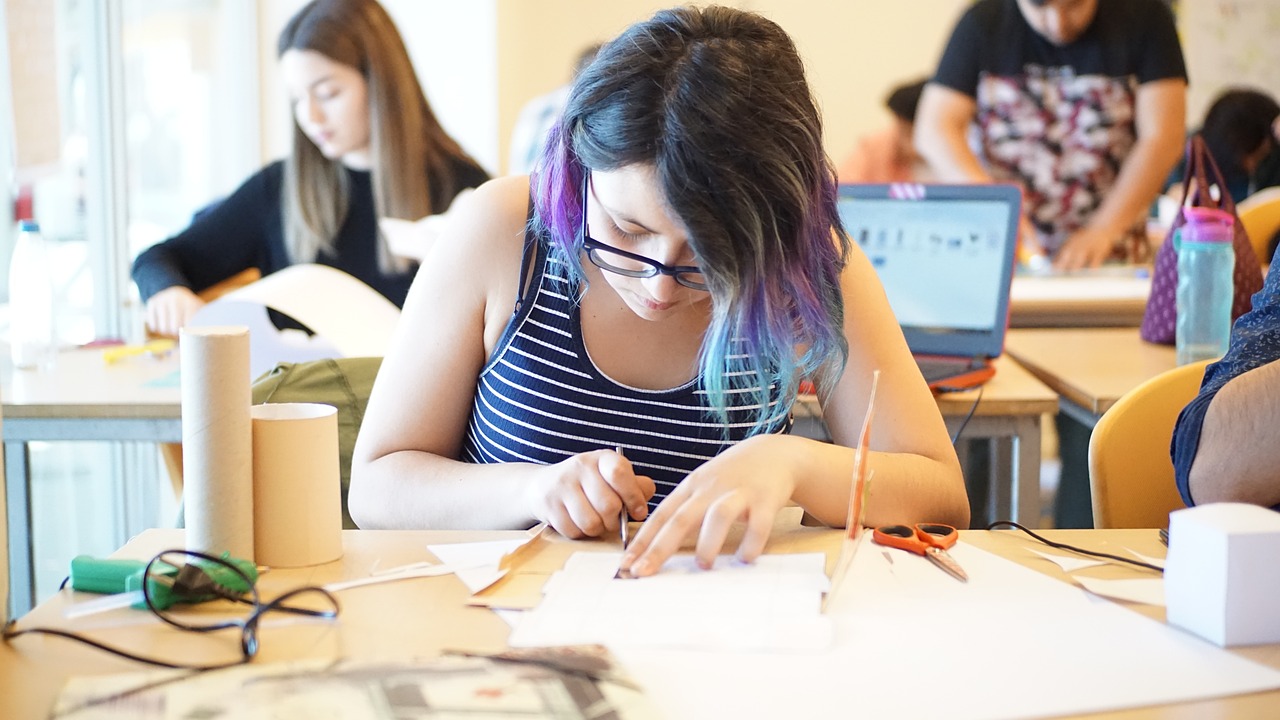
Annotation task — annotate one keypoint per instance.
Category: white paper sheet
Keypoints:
(1142, 590)
(1122, 285)
(349, 318)
(913, 642)
(773, 603)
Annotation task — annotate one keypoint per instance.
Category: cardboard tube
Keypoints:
(297, 488)
(217, 448)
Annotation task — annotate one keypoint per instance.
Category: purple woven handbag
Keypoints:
(1159, 322)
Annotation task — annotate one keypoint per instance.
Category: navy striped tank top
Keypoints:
(541, 399)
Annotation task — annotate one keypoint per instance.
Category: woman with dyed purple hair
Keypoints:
(627, 330)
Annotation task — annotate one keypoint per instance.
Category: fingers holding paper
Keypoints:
(583, 495)
(169, 310)
(745, 483)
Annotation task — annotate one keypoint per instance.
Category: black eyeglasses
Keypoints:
(615, 260)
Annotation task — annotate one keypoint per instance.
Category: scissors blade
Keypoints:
(943, 559)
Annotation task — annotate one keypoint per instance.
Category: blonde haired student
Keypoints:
(366, 145)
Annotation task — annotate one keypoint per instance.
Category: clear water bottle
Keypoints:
(1206, 262)
(32, 339)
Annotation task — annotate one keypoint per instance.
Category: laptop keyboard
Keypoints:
(935, 369)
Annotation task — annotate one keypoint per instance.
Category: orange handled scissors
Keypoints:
(928, 539)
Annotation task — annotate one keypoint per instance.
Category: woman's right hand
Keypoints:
(170, 309)
(583, 496)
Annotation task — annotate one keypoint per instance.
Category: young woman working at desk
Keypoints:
(659, 288)
(365, 145)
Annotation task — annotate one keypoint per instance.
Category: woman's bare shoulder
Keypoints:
(486, 228)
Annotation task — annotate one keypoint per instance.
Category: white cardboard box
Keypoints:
(1222, 574)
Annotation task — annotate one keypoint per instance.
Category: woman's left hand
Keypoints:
(750, 481)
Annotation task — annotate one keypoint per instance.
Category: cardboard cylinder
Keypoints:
(217, 448)
(297, 488)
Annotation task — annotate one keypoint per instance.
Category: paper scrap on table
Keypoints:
(481, 564)
(772, 604)
(408, 573)
(1148, 559)
(349, 318)
(1070, 563)
(1140, 590)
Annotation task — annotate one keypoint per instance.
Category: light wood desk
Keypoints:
(419, 618)
(1008, 414)
(1105, 297)
(82, 398)
(1090, 368)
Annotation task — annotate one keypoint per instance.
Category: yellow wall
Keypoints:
(855, 50)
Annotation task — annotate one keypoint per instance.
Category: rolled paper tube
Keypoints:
(297, 488)
(217, 444)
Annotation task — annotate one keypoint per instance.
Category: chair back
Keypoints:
(1260, 215)
(1130, 472)
(344, 383)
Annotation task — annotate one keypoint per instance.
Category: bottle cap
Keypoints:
(28, 226)
(1208, 225)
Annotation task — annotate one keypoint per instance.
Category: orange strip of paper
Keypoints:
(859, 488)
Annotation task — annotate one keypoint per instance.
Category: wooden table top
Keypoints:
(1091, 367)
(1011, 391)
(83, 385)
(433, 616)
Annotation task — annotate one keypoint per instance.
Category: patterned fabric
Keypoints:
(541, 399)
(1062, 137)
(1255, 341)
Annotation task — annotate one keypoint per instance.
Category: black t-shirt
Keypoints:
(1127, 39)
(1060, 120)
(246, 230)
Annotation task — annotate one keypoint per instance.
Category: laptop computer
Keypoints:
(945, 255)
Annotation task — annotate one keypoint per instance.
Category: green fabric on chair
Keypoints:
(344, 383)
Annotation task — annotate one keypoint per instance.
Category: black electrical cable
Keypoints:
(197, 583)
(955, 438)
(1073, 548)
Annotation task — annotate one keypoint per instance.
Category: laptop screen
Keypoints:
(944, 254)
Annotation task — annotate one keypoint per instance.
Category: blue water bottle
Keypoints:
(1206, 262)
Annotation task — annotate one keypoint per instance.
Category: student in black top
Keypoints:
(366, 145)
(1080, 102)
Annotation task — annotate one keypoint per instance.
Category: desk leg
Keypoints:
(1015, 466)
(17, 469)
(1026, 470)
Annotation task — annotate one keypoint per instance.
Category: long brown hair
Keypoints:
(408, 147)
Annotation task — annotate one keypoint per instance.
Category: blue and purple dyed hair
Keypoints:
(715, 99)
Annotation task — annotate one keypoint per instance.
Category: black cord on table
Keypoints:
(248, 626)
(1073, 548)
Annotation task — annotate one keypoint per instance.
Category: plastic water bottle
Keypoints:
(32, 339)
(1206, 262)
